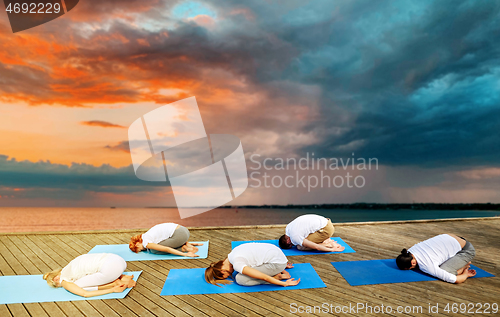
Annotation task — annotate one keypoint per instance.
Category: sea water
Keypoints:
(29, 219)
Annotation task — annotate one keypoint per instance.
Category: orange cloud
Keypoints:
(103, 124)
(204, 20)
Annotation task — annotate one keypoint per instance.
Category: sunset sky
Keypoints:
(415, 84)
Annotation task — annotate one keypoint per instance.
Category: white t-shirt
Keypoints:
(303, 226)
(433, 252)
(255, 254)
(158, 233)
(83, 265)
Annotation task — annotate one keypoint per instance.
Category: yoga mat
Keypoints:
(22, 289)
(293, 251)
(385, 272)
(124, 251)
(192, 282)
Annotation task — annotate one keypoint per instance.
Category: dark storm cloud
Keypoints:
(420, 89)
(407, 82)
(80, 177)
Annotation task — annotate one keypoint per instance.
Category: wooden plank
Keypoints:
(102, 308)
(119, 308)
(87, 309)
(19, 255)
(22, 254)
(11, 259)
(147, 303)
(52, 310)
(5, 268)
(63, 248)
(4, 311)
(223, 309)
(132, 305)
(30, 255)
(35, 309)
(18, 310)
(60, 256)
(69, 309)
(40, 252)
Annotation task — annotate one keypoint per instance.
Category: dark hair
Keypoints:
(404, 260)
(283, 242)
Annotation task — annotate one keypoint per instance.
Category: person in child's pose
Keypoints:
(445, 256)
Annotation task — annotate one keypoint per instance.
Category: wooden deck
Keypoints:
(37, 253)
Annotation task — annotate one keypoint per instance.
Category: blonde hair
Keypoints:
(133, 241)
(213, 274)
(49, 277)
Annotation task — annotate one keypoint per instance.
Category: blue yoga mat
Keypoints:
(192, 282)
(23, 289)
(124, 251)
(385, 272)
(293, 251)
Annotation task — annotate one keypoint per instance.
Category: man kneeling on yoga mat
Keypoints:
(310, 232)
(165, 238)
(446, 257)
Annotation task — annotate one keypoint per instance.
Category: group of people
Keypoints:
(445, 256)
(259, 263)
(102, 273)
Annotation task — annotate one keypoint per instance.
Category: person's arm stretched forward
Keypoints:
(320, 247)
(261, 276)
(165, 249)
(102, 290)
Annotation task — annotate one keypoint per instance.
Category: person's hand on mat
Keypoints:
(329, 243)
(471, 272)
(335, 247)
(291, 282)
(191, 254)
(335, 244)
(289, 265)
(188, 247)
(119, 288)
(338, 248)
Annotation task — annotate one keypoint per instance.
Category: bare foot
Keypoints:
(189, 248)
(464, 269)
(131, 283)
(128, 280)
(284, 275)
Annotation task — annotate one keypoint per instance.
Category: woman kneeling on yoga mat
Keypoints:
(446, 257)
(165, 238)
(256, 263)
(92, 275)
